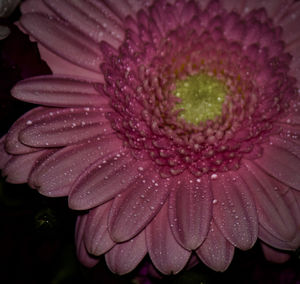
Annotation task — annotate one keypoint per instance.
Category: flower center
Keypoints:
(201, 96)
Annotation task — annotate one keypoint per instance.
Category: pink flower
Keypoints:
(175, 125)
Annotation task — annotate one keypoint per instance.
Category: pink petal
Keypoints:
(273, 241)
(165, 252)
(281, 164)
(274, 255)
(96, 236)
(4, 156)
(60, 66)
(19, 167)
(76, 15)
(216, 252)
(59, 127)
(290, 23)
(81, 251)
(63, 40)
(55, 176)
(236, 6)
(290, 144)
(58, 91)
(13, 145)
(137, 5)
(124, 257)
(234, 210)
(273, 212)
(274, 8)
(30, 6)
(120, 8)
(190, 210)
(104, 180)
(133, 209)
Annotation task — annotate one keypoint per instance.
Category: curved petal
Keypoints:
(290, 23)
(273, 241)
(124, 257)
(190, 210)
(274, 8)
(233, 5)
(274, 214)
(274, 255)
(288, 144)
(59, 127)
(96, 237)
(58, 91)
(55, 175)
(104, 180)
(30, 6)
(234, 210)
(281, 164)
(12, 143)
(76, 15)
(216, 252)
(165, 252)
(60, 66)
(19, 167)
(133, 209)
(63, 40)
(4, 156)
(121, 8)
(81, 251)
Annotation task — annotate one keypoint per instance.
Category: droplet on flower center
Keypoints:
(201, 96)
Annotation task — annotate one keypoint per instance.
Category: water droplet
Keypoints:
(214, 176)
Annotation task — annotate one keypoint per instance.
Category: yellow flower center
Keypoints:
(202, 97)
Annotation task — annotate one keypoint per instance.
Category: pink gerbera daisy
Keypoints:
(174, 124)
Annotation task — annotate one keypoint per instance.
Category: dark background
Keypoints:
(37, 233)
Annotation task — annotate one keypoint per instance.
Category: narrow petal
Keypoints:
(60, 66)
(12, 144)
(59, 127)
(274, 8)
(165, 252)
(281, 164)
(30, 6)
(124, 257)
(77, 17)
(19, 167)
(96, 237)
(288, 144)
(271, 240)
(273, 212)
(274, 255)
(290, 23)
(81, 251)
(104, 180)
(121, 9)
(216, 252)
(234, 210)
(58, 91)
(133, 209)
(55, 175)
(190, 210)
(236, 6)
(63, 40)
